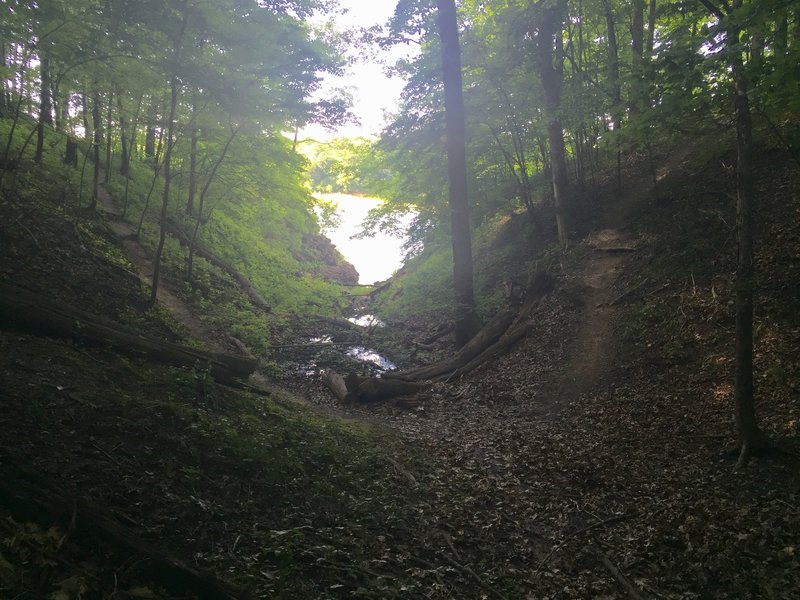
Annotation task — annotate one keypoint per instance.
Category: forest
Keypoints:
(583, 382)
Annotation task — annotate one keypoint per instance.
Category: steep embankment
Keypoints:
(590, 461)
(586, 463)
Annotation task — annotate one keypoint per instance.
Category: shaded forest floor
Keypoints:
(587, 463)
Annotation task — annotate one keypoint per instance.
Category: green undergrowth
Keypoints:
(188, 459)
(264, 228)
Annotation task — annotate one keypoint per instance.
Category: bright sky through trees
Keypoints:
(373, 92)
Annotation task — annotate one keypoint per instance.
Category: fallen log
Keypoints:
(616, 249)
(374, 389)
(368, 389)
(487, 336)
(30, 497)
(495, 338)
(257, 299)
(335, 383)
(496, 350)
(34, 313)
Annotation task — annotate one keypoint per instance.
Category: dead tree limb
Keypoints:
(335, 383)
(368, 389)
(174, 229)
(617, 249)
(34, 313)
(488, 335)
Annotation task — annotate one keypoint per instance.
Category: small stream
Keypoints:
(351, 347)
(344, 348)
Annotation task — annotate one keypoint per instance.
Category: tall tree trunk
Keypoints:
(750, 437)
(551, 71)
(192, 163)
(71, 145)
(209, 180)
(150, 131)
(109, 131)
(123, 159)
(637, 54)
(159, 147)
(616, 89)
(87, 128)
(45, 107)
(651, 30)
(96, 147)
(467, 322)
(4, 100)
(174, 87)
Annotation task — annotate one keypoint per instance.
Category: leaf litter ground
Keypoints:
(578, 466)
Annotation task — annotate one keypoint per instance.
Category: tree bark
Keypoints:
(108, 132)
(150, 131)
(96, 148)
(173, 106)
(551, 72)
(487, 336)
(201, 204)
(123, 159)
(637, 56)
(192, 162)
(467, 322)
(750, 437)
(4, 99)
(167, 177)
(616, 88)
(45, 107)
(87, 128)
(651, 30)
(335, 383)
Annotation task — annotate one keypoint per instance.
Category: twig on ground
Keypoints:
(618, 575)
(432, 567)
(468, 571)
(624, 295)
(617, 249)
(614, 519)
(336, 566)
(713, 436)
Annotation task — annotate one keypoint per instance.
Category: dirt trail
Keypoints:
(592, 352)
(143, 263)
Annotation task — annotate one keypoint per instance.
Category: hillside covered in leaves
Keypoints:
(172, 322)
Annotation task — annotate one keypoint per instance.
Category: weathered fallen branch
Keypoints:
(618, 575)
(617, 249)
(39, 314)
(30, 497)
(335, 383)
(493, 340)
(624, 294)
(374, 389)
(368, 389)
(174, 229)
(512, 335)
(441, 331)
(488, 335)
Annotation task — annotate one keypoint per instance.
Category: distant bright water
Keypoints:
(375, 259)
